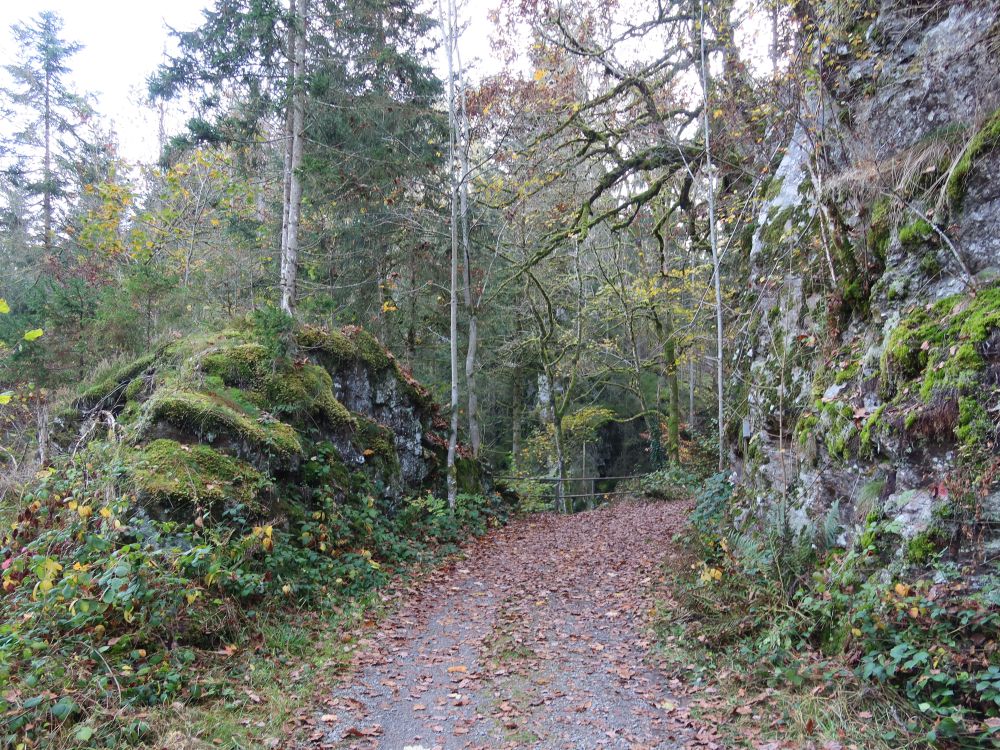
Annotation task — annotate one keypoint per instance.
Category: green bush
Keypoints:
(104, 611)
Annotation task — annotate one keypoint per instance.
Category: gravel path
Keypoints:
(536, 639)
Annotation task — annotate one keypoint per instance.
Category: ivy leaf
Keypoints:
(34, 334)
(4, 307)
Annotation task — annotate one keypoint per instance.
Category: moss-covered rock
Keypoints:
(109, 387)
(987, 139)
(939, 344)
(374, 440)
(305, 392)
(210, 418)
(219, 419)
(174, 480)
(240, 366)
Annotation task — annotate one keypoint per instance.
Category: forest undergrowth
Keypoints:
(790, 638)
(116, 627)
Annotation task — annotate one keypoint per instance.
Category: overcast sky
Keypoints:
(123, 42)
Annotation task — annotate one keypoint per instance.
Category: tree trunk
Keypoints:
(47, 167)
(290, 251)
(471, 303)
(515, 418)
(450, 30)
(714, 241)
(673, 396)
(691, 371)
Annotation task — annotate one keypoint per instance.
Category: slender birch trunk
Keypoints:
(714, 240)
(471, 301)
(448, 26)
(290, 251)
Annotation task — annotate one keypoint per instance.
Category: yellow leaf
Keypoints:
(4, 307)
(539, 74)
(106, 512)
(902, 589)
(34, 334)
(85, 511)
(5, 397)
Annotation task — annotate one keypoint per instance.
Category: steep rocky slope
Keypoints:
(879, 400)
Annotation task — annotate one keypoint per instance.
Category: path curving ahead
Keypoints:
(537, 639)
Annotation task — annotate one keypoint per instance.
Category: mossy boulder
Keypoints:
(211, 418)
(177, 480)
(108, 388)
(222, 420)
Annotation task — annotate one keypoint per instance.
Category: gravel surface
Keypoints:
(536, 639)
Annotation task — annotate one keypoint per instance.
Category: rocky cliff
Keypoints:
(873, 389)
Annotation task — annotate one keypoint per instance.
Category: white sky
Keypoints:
(123, 42)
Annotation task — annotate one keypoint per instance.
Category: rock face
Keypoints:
(229, 422)
(873, 384)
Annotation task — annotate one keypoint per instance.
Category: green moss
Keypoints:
(924, 546)
(915, 233)
(351, 345)
(957, 368)
(468, 476)
(210, 417)
(773, 188)
(332, 346)
(880, 228)
(930, 266)
(189, 349)
(305, 391)
(848, 373)
(938, 345)
(804, 427)
(177, 478)
(870, 431)
(240, 366)
(975, 428)
(134, 388)
(987, 139)
(370, 351)
(111, 383)
(375, 440)
(776, 228)
(835, 424)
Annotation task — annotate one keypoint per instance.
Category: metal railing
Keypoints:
(571, 481)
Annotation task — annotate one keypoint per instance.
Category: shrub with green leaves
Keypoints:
(105, 611)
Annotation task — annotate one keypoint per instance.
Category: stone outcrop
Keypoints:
(230, 422)
(875, 362)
